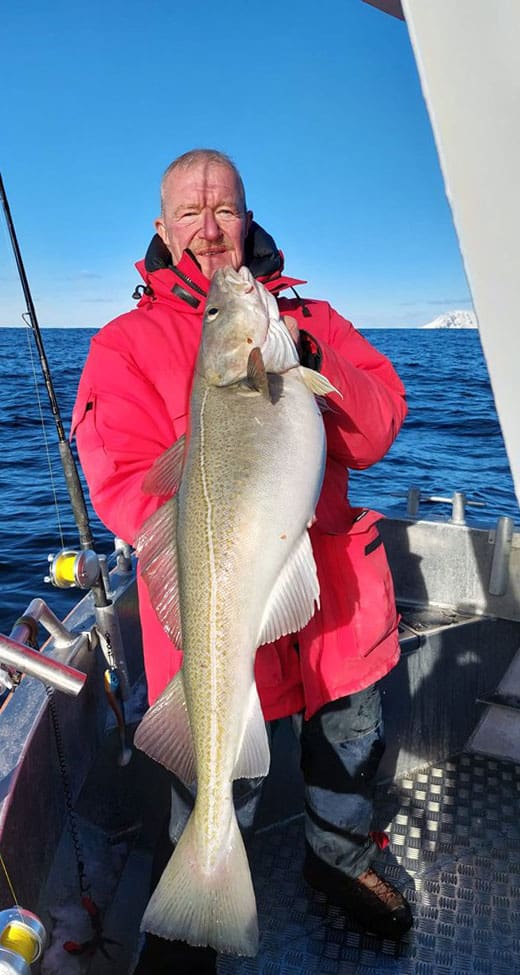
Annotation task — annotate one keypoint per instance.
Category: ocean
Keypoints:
(451, 441)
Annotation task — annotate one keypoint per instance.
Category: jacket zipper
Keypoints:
(187, 280)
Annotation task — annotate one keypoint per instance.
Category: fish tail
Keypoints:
(214, 907)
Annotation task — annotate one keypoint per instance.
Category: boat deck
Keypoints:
(454, 851)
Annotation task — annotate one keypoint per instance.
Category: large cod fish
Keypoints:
(229, 566)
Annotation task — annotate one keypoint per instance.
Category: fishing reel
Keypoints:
(22, 940)
(70, 568)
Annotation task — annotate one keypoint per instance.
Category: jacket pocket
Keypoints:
(84, 409)
(95, 460)
(374, 613)
(357, 605)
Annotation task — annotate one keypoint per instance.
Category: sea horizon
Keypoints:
(359, 328)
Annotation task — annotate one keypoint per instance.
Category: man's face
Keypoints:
(204, 211)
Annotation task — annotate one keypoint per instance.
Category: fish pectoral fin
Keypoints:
(295, 595)
(256, 374)
(156, 547)
(165, 473)
(254, 755)
(317, 383)
(165, 733)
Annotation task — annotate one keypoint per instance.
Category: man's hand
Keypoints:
(306, 345)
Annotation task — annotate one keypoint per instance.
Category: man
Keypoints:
(132, 404)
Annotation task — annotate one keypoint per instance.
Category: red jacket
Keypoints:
(132, 404)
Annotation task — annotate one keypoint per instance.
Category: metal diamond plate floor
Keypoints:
(454, 851)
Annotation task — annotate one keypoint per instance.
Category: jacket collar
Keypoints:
(186, 281)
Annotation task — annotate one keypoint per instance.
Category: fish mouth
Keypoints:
(241, 282)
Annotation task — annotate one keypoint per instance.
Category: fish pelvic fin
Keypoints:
(165, 733)
(317, 383)
(294, 597)
(254, 755)
(215, 906)
(256, 374)
(156, 547)
(165, 473)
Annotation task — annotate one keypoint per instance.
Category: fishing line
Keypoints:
(7, 877)
(44, 432)
(27, 322)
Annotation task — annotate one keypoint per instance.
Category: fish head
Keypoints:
(241, 315)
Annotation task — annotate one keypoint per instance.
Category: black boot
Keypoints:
(370, 899)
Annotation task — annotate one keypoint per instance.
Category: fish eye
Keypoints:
(212, 312)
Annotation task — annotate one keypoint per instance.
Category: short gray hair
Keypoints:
(195, 156)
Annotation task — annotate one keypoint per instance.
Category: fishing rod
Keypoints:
(68, 567)
(22, 934)
(74, 487)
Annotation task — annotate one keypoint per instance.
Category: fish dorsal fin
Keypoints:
(256, 374)
(165, 733)
(156, 547)
(164, 476)
(295, 595)
(253, 751)
(317, 383)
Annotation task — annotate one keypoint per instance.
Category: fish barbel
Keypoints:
(229, 566)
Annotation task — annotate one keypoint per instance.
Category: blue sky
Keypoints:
(318, 104)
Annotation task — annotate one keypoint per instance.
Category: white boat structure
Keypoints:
(77, 818)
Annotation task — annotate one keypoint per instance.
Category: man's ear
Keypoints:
(161, 230)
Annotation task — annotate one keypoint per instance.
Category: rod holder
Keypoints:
(16, 656)
(499, 574)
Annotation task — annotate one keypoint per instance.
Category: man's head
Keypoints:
(203, 208)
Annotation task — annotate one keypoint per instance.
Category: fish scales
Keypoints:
(251, 478)
(226, 529)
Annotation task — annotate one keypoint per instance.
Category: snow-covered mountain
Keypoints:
(454, 319)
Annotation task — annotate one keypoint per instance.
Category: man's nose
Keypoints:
(210, 228)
